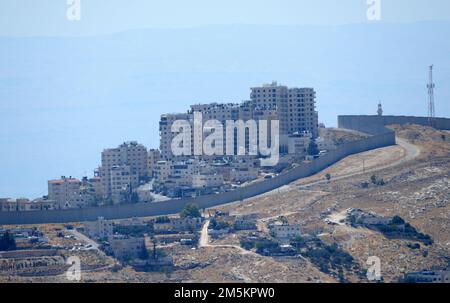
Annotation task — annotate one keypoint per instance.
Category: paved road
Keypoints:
(79, 236)
(411, 152)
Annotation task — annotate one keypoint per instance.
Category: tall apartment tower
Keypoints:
(302, 114)
(271, 98)
(130, 159)
(165, 133)
(295, 107)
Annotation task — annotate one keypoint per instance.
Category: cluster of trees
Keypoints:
(218, 225)
(191, 211)
(375, 181)
(400, 229)
(135, 231)
(330, 257)
(313, 149)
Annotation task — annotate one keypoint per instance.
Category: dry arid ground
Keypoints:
(417, 189)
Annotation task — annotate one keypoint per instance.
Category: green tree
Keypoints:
(398, 220)
(191, 210)
(313, 149)
(374, 179)
(328, 177)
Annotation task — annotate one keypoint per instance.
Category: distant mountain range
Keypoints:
(62, 100)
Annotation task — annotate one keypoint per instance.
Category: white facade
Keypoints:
(298, 144)
(162, 171)
(99, 229)
(285, 231)
(207, 180)
(124, 247)
(154, 156)
(129, 154)
(122, 180)
(67, 193)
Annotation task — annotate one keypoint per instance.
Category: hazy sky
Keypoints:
(48, 17)
(63, 100)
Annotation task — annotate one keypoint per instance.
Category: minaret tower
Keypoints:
(380, 109)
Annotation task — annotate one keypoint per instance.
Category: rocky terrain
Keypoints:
(415, 187)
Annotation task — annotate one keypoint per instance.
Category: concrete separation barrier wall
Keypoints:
(374, 125)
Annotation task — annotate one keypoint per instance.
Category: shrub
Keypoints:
(191, 210)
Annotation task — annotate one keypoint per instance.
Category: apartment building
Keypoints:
(124, 164)
(154, 155)
(122, 181)
(298, 143)
(162, 171)
(207, 181)
(294, 108)
(272, 100)
(285, 231)
(302, 114)
(67, 193)
(100, 229)
(166, 135)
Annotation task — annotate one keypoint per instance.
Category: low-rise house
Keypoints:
(132, 222)
(207, 180)
(285, 231)
(246, 222)
(441, 276)
(178, 225)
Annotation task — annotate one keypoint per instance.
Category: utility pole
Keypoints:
(430, 86)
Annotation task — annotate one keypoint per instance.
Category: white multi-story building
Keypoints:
(122, 180)
(162, 171)
(154, 156)
(285, 231)
(129, 154)
(67, 192)
(294, 108)
(302, 114)
(207, 180)
(181, 173)
(100, 229)
(298, 143)
(166, 135)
